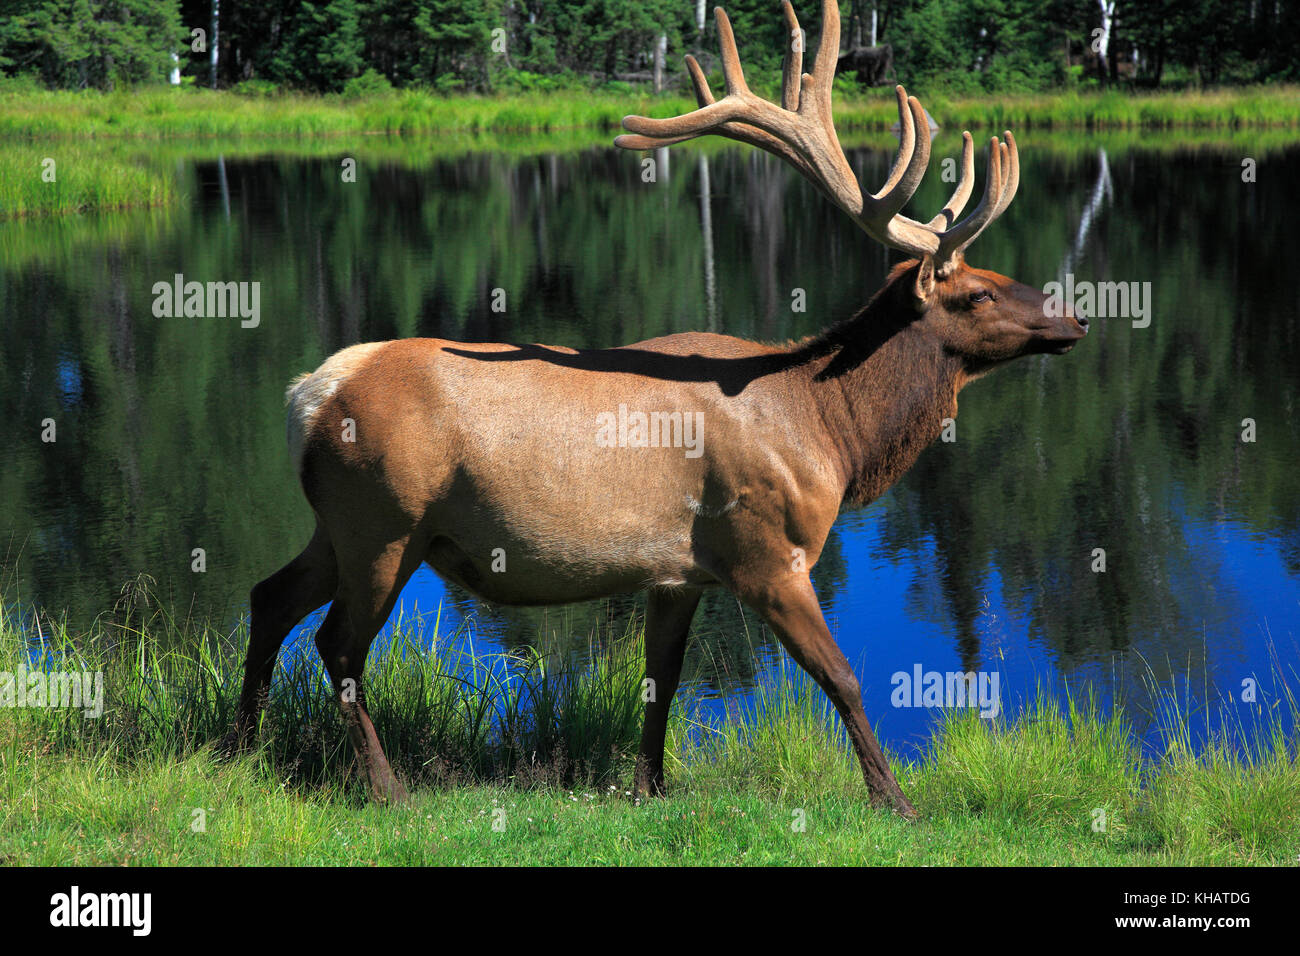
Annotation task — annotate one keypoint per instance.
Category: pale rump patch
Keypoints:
(308, 392)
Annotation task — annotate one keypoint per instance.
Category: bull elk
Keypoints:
(459, 450)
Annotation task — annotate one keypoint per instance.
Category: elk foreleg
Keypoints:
(792, 611)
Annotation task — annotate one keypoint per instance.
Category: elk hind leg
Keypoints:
(277, 604)
(366, 595)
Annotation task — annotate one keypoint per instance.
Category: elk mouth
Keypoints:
(1061, 345)
(1054, 346)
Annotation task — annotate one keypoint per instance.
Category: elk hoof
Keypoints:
(894, 800)
(232, 745)
(648, 784)
(388, 791)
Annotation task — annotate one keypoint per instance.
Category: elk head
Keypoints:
(981, 316)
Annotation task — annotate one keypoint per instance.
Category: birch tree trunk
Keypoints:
(216, 25)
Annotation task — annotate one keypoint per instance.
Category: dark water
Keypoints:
(170, 431)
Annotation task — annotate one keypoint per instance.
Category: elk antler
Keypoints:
(802, 132)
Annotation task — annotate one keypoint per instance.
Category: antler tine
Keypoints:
(740, 131)
(880, 211)
(954, 240)
(965, 185)
(913, 155)
(737, 131)
(703, 95)
(906, 144)
(792, 68)
(1011, 173)
(828, 58)
(731, 69)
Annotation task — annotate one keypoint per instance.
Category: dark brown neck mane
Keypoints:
(882, 384)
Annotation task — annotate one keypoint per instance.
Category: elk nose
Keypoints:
(1082, 320)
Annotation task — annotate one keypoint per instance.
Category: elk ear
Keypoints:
(923, 289)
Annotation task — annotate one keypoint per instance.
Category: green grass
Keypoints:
(107, 150)
(543, 749)
(70, 177)
(165, 113)
(1227, 109)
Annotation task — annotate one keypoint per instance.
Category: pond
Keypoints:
(1169, 441)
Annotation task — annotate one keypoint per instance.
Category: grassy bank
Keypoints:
(104, 175)
(66, 152)
(73, 177)
(543, 750)
(165, 113)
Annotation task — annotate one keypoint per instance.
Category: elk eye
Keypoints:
(979, 295)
